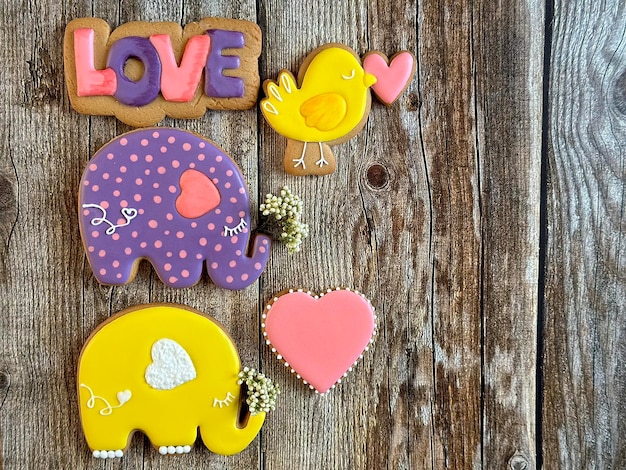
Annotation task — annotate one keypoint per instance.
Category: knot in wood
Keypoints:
(377, 176)
(4, 380)
(412, 102)
(519, 462)
(4, 386)
(7, 197)
(619, 93)
(44, 86)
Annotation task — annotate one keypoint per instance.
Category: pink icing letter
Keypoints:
(180, 83)
(89, 81)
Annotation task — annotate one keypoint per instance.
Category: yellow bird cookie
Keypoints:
(328, 105)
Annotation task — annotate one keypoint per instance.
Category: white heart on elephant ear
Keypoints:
(171, 365)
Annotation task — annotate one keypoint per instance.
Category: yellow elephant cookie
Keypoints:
(166, 370)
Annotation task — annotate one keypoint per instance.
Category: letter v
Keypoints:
(180, 83)
(89, 81)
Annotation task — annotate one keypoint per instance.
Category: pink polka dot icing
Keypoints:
(136, 217)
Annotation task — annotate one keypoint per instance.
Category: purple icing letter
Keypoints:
(218, 85)
(146, 89)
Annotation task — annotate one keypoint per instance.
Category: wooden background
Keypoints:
(483, 215)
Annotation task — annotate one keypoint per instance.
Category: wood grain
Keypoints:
(584, 409)
(393, 182)
(341, 420)
(433, 213)
(448, 136)
(55, 303)
(509, 72)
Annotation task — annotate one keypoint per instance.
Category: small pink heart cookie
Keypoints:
(320, 337)
(392, 75)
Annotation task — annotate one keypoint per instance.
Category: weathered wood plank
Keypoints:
(49, 282)
(508, 70)
(393, 185)
(41, 295)
(8, 179)
(328, 431)
(100, 302)
(433, 214)
(236, 132)
(584, 413)
(448, 130)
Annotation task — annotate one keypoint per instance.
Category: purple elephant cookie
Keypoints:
(175, 199)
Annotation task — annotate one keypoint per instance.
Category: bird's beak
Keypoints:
(368, 79)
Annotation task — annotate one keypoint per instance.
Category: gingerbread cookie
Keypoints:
(175, 199)
(330, 102)
(142, 72)
(166, 370)
(319, 337)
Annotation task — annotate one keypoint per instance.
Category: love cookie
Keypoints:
(175, 199)
(320, 337)
(167, 370)
(330, 102)
(142, 72)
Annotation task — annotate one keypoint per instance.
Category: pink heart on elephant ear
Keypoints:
(198, 195)
(320, 338)
(392, 77)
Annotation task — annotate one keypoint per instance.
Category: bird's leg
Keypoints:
(300, 161)
(322, 161)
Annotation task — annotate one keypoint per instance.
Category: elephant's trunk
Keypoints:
(232, 268)
(231, 435)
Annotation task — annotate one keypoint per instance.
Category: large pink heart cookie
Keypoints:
(392, 76)
(319, 336)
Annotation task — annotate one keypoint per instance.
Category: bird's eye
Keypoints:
(348, 77)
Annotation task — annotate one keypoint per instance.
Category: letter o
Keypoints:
(146, 89)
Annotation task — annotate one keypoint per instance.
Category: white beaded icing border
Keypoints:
(163, 450)
(108, 454)
(316, 297)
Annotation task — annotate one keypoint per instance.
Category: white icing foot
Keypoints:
(299, 161)
(164, 450)
(108, 454)
(321, 162)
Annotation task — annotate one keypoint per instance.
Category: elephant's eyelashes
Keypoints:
(225, 402)
(230, 231)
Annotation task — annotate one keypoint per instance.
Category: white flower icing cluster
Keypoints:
(286, 210)
(262, 392)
